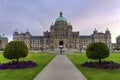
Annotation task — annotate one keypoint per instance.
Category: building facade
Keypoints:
(3, 41)
(61, 34)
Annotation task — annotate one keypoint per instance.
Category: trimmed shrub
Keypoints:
(15, 50)
(97, 50)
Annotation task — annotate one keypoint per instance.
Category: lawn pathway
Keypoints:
(60, 68)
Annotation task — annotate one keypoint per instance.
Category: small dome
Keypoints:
(52, 25)
(61, 18)
(2, 36)
(95, 30)
(69, 24)
(107, 30)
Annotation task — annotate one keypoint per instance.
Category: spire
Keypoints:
(61, 14)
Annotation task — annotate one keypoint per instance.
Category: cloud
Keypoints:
(37, 15)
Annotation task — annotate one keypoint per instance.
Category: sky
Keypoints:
(38, 15)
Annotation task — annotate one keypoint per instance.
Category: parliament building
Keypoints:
(61, 34)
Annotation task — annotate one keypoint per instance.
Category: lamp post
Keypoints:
(61, 47)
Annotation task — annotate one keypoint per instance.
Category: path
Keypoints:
(60, 68)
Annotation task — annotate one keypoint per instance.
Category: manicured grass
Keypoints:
(96, 74)
(26, 74)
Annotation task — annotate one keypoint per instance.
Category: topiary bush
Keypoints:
(97, 50)
(15, 50)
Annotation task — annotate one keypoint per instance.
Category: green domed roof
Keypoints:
(107, 30)
(95, 30)
(61, 18)
(27, 30)
(69, 24)
(2, 36)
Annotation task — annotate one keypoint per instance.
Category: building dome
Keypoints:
(95, 31)
(107, 30)
(61, 18)
(2, 36)
(69, 25)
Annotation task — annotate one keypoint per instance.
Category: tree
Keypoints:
(97, 50)
(15, 50)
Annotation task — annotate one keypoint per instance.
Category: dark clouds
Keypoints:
(37, 15)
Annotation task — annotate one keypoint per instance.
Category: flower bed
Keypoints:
(18, 65)
(103, 65)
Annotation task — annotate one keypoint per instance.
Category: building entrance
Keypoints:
(61, 46)
(61, 43)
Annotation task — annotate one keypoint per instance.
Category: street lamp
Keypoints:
(61, 47)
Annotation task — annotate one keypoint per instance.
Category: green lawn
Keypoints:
(96, 74)
(29, 73)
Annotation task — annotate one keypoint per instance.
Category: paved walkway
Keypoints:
(60, 68)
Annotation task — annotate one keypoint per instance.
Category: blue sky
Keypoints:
(38, 15)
